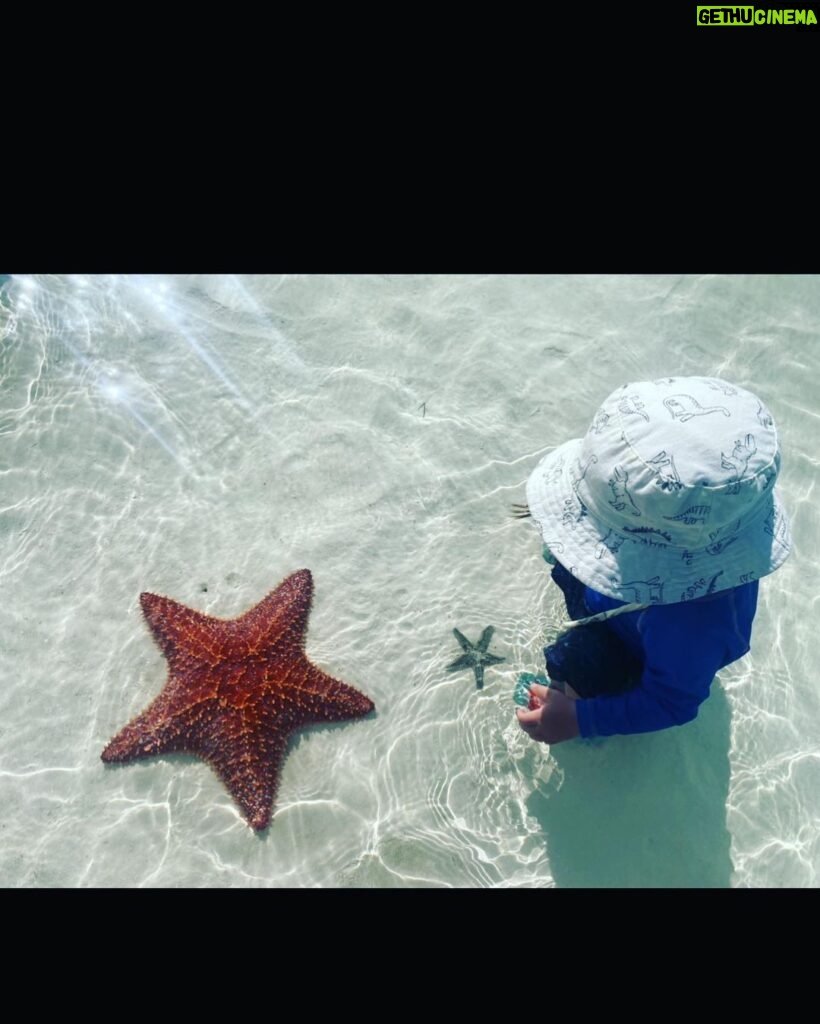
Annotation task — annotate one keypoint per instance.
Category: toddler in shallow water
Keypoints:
(659, 524)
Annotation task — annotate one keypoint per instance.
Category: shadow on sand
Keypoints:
(646, 810)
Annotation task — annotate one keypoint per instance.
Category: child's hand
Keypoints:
(552, 718)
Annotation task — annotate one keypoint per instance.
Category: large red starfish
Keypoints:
(236, 690)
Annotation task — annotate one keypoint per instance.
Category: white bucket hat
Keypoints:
(670, 496)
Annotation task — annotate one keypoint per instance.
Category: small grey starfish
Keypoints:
(475, 656)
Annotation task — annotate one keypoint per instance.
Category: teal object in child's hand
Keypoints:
(521, 694)
(547, 555)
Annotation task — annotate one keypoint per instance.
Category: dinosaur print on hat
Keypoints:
(700, 588)
(764, 417)
(574, 511)
(554, 474)
(776, 526)
(612, 542)
(668, 477)
(722, 386)
(645, 591)
(633, 404)
(621, 498)
(582, 468)
(722, 538)
(692, 515)
(685, 407)
(739, 461)
(647, 535)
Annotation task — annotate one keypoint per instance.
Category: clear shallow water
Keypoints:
(205, 437)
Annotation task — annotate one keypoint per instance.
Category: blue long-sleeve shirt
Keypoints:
(681, 646)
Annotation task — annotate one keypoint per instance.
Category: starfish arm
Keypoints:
(465, 661)
(329, 700)
(491, 659)
(183, 635)
(479, 675)
(280, 618)
(486, 637)
(248, 758)
(159, 730)
(462, 639)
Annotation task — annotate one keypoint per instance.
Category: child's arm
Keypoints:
(684, 647)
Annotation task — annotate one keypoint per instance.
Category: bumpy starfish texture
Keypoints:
(236, 690)
(475, 656)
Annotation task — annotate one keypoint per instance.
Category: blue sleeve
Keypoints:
(684, 645)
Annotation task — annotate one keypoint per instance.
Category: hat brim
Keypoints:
(645, 570)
